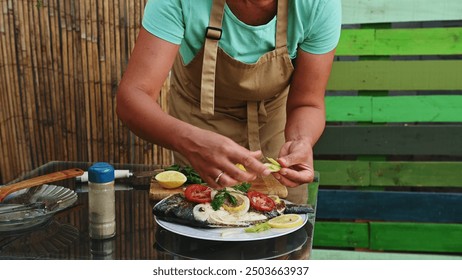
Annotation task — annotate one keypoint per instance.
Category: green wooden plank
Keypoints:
(313, 188)
(390, 173)
(381, 109)
(348, 108)
(341, 234)
(418, 174)
(329, 254)
(343, 172)
(416, 237)
(428, 140)
(376, 11)
(400, 41)
(396, 75)
(441, 108)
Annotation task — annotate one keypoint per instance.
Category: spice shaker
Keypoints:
(101, 200)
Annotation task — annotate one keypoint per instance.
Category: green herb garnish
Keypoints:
(220, 198)
(243, 187)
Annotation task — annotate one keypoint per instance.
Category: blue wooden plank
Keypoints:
(390, 206)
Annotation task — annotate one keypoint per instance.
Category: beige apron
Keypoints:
(245, 102)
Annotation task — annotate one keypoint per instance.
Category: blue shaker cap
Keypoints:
(101, 172)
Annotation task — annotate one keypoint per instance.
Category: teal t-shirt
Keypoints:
(313, 26)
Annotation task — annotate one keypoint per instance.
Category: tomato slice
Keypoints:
(260, 201)
(198, 193)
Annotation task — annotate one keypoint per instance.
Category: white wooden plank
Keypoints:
(380, 11)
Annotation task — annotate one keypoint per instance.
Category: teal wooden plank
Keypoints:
(377, 11)
(400, 41)
(416, 237)
(396, 75)
(439, 108)
(429, 207)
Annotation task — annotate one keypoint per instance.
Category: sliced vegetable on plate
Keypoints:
(286, 221)
(198, 193)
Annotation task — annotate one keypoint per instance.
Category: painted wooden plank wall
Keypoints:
(400, 41)
(423, 216)
(378, 11)
(381, 109)
(356, 173)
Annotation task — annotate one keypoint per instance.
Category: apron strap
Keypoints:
(253, 127)
(212, 37)
(281, 24)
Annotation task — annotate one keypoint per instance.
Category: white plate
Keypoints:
(27, 218)
(226, 234)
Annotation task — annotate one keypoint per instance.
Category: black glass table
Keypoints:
(138, 237)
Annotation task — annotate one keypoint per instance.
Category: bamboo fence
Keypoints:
(60, 65)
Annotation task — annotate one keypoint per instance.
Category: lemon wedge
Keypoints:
(170, 179)
(286, 221)
(275, 198)
(240, 166)
(272, 165)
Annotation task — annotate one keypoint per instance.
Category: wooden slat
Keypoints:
(396, 75)
(390, 206)
(428, 108)
(389, 173)
(349, 108)
(343, 172)
(400, 41)
(376, 11)
(444, 238)
(389, 236)
(441, 140)
(416, 174)
(418, 108)
(313, 189)
(332, 254)
(341, 234)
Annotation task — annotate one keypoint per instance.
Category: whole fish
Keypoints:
(177, 209)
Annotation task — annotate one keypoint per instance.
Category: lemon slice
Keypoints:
(170, 179)
(286, 221)
(242, 205)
